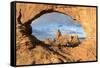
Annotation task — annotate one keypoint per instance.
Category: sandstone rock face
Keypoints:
(30, 50)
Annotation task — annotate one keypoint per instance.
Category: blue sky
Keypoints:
(47, 25)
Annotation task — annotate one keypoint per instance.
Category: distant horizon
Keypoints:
(55, 37)
(47, 25)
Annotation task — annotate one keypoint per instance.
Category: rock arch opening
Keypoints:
(47, 27)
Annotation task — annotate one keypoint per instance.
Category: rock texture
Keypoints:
(30, 50)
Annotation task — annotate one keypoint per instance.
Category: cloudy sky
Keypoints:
(47, 25)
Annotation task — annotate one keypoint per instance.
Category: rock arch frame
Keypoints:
(85, 15)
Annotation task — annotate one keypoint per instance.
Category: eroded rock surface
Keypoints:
(30, 50)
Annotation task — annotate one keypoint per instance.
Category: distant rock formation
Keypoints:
(73, 40)
(58, 34)
(66, 39)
